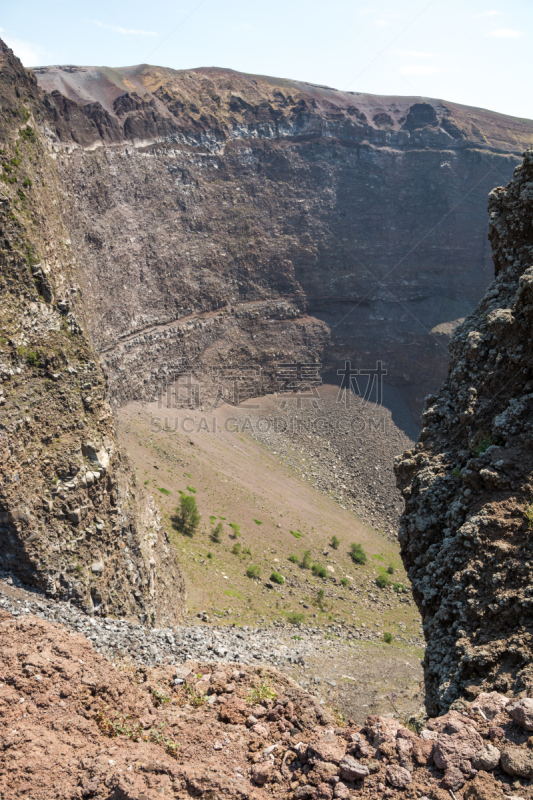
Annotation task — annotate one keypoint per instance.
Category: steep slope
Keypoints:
(468, 484)
(72, 520)
(261, 220)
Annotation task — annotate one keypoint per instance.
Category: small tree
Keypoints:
(357, 554)
(187, 517)
(335, 542)
(216, 533)
(319, 570)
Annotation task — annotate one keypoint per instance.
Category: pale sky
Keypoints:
(467, 51)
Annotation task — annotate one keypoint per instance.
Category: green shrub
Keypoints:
(246, 551)
(191, 489)
(164, 491)
(295, 617)
(390, 569)
(482, 442)
(344, 581)
(258, 522)
(297, 534)
(357, 554)
(398, 587)
(210, 555)
(187, 516)
(253, 572)
(146, 482)
(319, 570)
(335, 542)
(236, 529)
(293, 558)
(236, 549)
(388, 637)
(216, 533)
(276, 577)
(382, 581)
(306, 561)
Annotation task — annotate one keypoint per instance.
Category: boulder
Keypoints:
(352, 770)
(487, 759)
(453, 779)
(457, 749)
(262, 773)
(521, 712)
(517, 762)
(324, 750)
(398, 777)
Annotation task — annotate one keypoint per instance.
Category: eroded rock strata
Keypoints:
(466, 533)
(73, 521)
(229, 218)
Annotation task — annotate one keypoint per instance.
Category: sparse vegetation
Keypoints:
(295, 617)
(191, 489)
(344, 582)
(335, 542)
(258, 522)
(482, 442)
(357, 554)
(276, 577)
(262, 690)
(253, 571)
(164, 491)
(293, 558)
(236, 530)
(296, 534)
(528, 514)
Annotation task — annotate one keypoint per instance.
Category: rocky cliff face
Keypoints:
(222, 217)
(466, 533)
(73, 521)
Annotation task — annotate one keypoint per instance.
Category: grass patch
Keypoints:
(164, 491)
(293, 558)
(276, 577)
(296, 534)
(191, 489)
(233, 593)
(258, 521)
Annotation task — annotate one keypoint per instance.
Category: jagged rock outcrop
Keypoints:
(261, 220)
(73, 521)
(466, 533)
